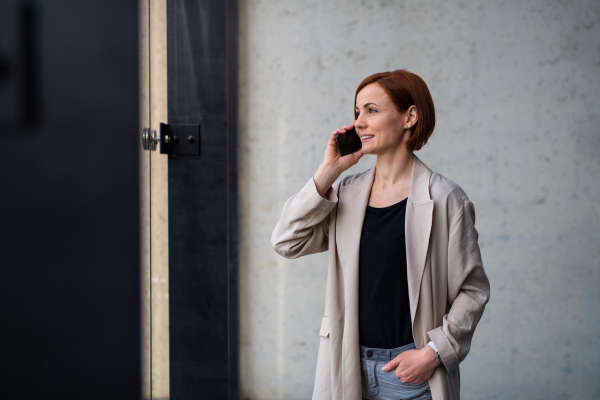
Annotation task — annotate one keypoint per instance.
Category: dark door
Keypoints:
(69, 219)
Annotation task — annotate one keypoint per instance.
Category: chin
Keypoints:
(368, 149)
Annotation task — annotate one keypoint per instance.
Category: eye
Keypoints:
(371, 110)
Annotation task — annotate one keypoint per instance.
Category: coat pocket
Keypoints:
(324, 332)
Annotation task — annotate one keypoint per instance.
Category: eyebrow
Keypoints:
(367, 104)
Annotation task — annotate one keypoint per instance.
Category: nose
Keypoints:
(360, 123)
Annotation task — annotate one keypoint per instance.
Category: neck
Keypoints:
(393, 168)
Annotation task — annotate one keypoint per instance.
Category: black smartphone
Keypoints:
(348, 142)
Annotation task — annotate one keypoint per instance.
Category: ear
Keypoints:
(411, 116)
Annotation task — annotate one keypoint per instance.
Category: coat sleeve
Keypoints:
(468, 290)
(303, 227)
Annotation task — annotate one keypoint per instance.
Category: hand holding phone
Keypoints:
(334, 161)
(349, 142)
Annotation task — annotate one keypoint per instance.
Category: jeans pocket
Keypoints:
(364, 378)
(421, 391)
(370, 384)
(375, 384)
(425, 384)
(398, 379)
(424, 395)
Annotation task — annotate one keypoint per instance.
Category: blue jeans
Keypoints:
(380, 385)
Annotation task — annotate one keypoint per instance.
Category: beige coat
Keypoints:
(448, 288)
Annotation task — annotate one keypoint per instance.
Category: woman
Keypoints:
(405, 285)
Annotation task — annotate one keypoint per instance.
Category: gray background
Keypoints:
(516, 87)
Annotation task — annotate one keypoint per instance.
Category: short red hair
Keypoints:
(406, 89)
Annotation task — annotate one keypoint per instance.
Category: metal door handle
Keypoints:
(149, 139)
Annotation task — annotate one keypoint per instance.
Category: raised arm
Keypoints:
(303, 227)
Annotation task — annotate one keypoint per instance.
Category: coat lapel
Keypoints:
(419, 217)
(352, 206)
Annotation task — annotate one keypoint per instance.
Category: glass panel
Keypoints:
(155, 256)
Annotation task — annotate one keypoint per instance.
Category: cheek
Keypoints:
(392, 131)
(385, 134)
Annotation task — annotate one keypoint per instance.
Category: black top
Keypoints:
(384, 308)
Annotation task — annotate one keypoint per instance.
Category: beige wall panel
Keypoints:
(159, 193)
(154, 202)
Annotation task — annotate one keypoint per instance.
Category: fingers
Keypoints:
(333, 139)
(410, 378)
(411, 368)
(344, 128)
(357, 156)
(405, 376)
(396, 361)
(391, 365)
(352, 159)
(399, 376)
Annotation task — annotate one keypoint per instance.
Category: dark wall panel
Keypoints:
(202, 201)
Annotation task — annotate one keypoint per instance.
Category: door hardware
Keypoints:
(172, 139)
(149, 139)
(169, 139)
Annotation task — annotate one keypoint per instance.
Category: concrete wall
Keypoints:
(517, 92)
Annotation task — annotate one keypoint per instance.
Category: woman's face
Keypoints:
(379, 124)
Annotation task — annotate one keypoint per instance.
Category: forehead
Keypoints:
(372, 93)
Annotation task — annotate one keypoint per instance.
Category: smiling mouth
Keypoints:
(366, 137)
